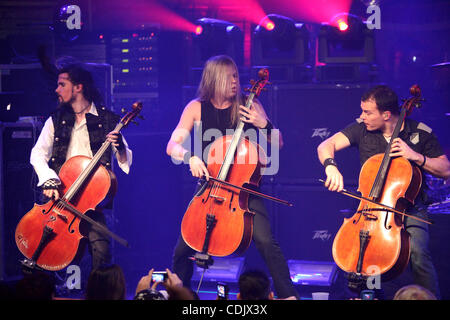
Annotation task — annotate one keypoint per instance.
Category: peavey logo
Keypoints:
(322, 235)
(323, 133)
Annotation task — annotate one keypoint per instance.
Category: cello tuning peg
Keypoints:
(123, 110)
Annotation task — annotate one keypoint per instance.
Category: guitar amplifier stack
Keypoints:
(17, 189)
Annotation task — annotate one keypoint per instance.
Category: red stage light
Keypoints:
(342, 25)
(269, 25)
(198, 30)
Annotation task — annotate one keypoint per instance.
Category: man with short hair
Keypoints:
(416, 142)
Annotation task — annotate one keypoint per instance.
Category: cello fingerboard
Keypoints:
(378, 185)
(73, 190)
(229, 156)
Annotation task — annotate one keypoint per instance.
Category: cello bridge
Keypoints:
(370, 216)
(218, 199)
(60, 215)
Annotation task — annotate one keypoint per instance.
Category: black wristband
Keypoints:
(269, 125)
(186, 157)
(423, 163)
(329, 162)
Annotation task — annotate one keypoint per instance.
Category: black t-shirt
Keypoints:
(417, 135)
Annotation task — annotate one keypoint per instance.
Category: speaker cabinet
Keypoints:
(306, 230)
(17, 189)
(306, 115)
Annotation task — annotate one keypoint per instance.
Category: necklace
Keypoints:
(84, 109)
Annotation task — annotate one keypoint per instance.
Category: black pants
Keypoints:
(98, 243)
(265, 243)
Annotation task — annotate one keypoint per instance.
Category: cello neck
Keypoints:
(377, 187)
(229, 156)
(73, 190)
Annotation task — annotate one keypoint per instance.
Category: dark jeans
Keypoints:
(423, 271)
(265, 243)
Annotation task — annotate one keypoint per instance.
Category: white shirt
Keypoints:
(79, 145)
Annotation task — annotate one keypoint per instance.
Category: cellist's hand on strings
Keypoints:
(253, 115)
(116, 140)
(335, 181)
(399, 148)
(198, 168)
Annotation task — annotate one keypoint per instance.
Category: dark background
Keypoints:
(151, 200)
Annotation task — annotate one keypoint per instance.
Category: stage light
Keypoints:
(270, 26)
(214, 37)
(198, 30)
(266, 23)
(346, 49)
(343, 26)
(345, 39)
(279, 40)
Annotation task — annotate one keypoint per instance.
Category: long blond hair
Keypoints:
(215, 84)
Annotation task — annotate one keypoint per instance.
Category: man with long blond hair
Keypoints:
(219, 106)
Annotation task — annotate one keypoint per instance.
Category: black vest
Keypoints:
(98, 127)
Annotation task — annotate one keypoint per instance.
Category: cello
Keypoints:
(48, 235)
(218, 221)
(374, 241)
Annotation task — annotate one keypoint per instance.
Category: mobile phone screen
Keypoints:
(367, 295)
(159, 276)
(222, 291)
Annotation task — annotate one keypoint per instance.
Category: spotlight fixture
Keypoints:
(198, 30)
(279, 40)
(346, 39)
(213, 37)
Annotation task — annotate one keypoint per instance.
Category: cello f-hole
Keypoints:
(355, 221)
(386, 226)
(70, 229)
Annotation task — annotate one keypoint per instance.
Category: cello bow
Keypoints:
(389, 208)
